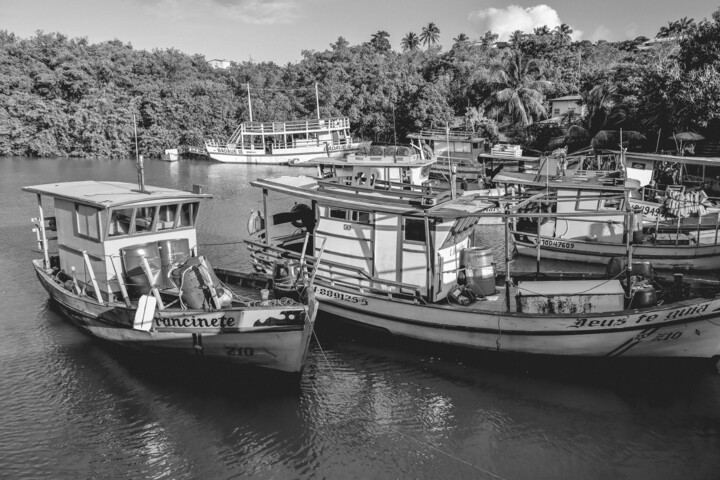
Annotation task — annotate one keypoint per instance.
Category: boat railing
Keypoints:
(334, 274)
(295, 126)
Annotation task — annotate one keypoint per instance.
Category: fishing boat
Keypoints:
(408, 260)
(121, 261)
(170, 155)
(587, 223)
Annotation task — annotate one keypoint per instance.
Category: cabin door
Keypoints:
(413, 254)
(387, 253)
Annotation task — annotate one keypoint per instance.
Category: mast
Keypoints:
(249, 103)
(139, 161)
(317, 101)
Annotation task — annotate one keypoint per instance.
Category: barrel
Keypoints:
(137, 282)
(172, 252)
(479, 270)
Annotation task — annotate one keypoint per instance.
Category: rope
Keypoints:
(409, 437)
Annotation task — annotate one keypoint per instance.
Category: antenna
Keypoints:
(139, 161)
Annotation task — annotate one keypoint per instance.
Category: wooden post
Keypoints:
(153, 288)
(507, 261)
(121, 282)
(43, 236)
(90, 270)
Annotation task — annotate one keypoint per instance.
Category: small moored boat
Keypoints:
(126, 269)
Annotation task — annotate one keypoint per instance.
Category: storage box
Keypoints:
(570, 296)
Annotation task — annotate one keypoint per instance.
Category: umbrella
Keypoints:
(688, 136)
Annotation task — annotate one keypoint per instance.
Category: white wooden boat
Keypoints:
(574, 231)
(170, 155)
(400, 258)
(121, 262)
(289, 142)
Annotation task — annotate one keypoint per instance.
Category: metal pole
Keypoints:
(317, 101)
(249, 102)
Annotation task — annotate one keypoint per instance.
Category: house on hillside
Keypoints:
(568, 103)
(216, 63)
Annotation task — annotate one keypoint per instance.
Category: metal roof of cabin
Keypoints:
(102, 194)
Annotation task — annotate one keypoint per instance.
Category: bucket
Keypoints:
(171, 252)
(137, 282)
(479, 270)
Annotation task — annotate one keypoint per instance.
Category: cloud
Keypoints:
(504, 21)
(259, 12)
(262, 12)
(600, 33)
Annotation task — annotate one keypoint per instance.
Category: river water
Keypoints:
(367, 407)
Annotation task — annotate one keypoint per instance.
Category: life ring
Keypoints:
(255, 223)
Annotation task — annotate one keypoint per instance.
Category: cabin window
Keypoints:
(360, 217)
(338, 213)
(87, 221)
(144, 219)
(188, 214)
(120, 221)
(415, 230)
(166, 217)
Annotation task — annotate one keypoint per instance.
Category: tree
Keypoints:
(518, 88)
(516, 37)
(410, 42)
(563, 31)
(542, 31)
(380, 41)
(461, 39)
(430, 35)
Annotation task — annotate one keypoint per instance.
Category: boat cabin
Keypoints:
(108, 235)
(402, 164)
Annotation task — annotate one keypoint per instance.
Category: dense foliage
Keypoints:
(66, 97)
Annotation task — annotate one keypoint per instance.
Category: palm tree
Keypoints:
(542, 31)
(489, 38)
(461, 39)
(430, 35)
(518, 88)
(516, 37)
(380, 41)
(410, 42)
(563, 30)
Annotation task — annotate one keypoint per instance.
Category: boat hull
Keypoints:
(234, 155)
(688, 329)
(230, 335)
(700, 258)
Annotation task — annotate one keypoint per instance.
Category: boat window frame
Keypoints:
(351, 215)
(193, 205)
(98, 227)
(599, 203)
(405, 231)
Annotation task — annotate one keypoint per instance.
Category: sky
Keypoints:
(280, 30)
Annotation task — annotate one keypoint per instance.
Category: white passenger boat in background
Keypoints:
(286, 142)
(121, 262)
(406, 259)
